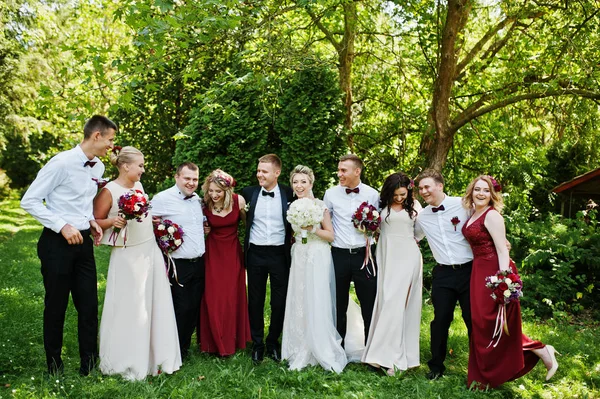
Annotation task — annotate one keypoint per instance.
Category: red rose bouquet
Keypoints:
(169, 237)
(367, 220)
(133, 205)
(506, 287)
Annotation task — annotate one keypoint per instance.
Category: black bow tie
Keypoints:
(187, 197)
(270, 194)
(90, 164)
(352, 190)
(439, 208)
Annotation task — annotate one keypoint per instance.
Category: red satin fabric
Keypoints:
(224, 325)
(512, 357)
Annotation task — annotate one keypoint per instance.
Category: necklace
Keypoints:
(218, 210)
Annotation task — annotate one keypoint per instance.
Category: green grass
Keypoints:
(22, 361)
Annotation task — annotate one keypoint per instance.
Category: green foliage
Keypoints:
(296, 116)
(560, 261)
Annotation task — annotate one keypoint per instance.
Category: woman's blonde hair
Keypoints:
(121, 156)
(225, 182)
(304, 170)
(495, 199)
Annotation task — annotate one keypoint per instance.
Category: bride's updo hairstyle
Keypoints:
(304, 170)
(121, 156)
(496, 201)
(390, 185)
(225, 182)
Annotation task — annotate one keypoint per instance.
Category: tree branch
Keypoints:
(465, 117)
(482, 42)
(317, 21)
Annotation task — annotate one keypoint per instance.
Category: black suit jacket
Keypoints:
(251, 194)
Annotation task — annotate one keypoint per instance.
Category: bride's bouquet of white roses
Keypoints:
(303, 213)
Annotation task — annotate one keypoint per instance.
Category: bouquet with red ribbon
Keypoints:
(507, 287)
(368, 221)
(169, 237)
(133, 205)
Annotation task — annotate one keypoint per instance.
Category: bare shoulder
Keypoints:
(242, 201)
(494, 218)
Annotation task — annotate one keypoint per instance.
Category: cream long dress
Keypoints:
(138, 332)
(394, 333)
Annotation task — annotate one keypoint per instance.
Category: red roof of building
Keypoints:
(588, 184)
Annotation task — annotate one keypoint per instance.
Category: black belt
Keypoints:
(459, 266)
(267, 247)
(192, 260)
(84, 233)
(351, 251)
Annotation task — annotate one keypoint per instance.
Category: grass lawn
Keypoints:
(22, 359)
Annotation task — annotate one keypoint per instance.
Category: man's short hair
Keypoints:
(432, 173)
(358, 163)
(272, 159)
(190, 165)
(98, 123)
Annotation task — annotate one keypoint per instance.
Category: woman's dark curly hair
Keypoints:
(391, 184)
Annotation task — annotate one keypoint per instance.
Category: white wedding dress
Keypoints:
(309, 333)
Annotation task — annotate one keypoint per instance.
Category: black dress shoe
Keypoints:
(258, 355)
(87, 365)
(56, 370)
(274, 354)
(433, 375)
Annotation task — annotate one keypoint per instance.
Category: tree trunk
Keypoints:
(346, 58)
(437, 141)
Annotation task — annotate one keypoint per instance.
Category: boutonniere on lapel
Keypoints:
(100, 182)
(455, 221)
(247, 207)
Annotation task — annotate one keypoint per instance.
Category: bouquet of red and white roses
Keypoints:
(507, 287)
(133, 205)
(169, 237)
(367, 220)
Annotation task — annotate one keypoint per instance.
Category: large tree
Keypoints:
(523, 52)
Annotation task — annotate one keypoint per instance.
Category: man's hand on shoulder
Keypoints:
(71, 234)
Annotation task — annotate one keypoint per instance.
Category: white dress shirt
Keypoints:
(446, 240)
(342, 206)
(268, 227)
(68, 187)
(187, 213)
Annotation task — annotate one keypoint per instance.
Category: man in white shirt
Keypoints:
(68, 184)
(180, 204)
(267, 254)
(349, 246)
(441, 222)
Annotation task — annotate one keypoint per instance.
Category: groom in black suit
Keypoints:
(267, 254)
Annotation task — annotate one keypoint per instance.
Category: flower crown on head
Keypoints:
(411, 184)
(116, 149)
(495, 184)
(223, 180)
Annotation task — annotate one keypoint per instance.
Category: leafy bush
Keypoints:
(296, 116)
(560, 261)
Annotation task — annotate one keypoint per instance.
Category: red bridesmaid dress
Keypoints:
(224, 325)
(512, 357)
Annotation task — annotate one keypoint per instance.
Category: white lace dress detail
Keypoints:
(309, 333)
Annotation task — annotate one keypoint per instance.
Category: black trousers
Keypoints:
(186, 299)
(266, 262)
(347, 267)
(69, 269)
(447, 287)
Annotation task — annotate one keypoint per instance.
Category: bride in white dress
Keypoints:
(309, 333)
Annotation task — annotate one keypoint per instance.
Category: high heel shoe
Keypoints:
(552, 352)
